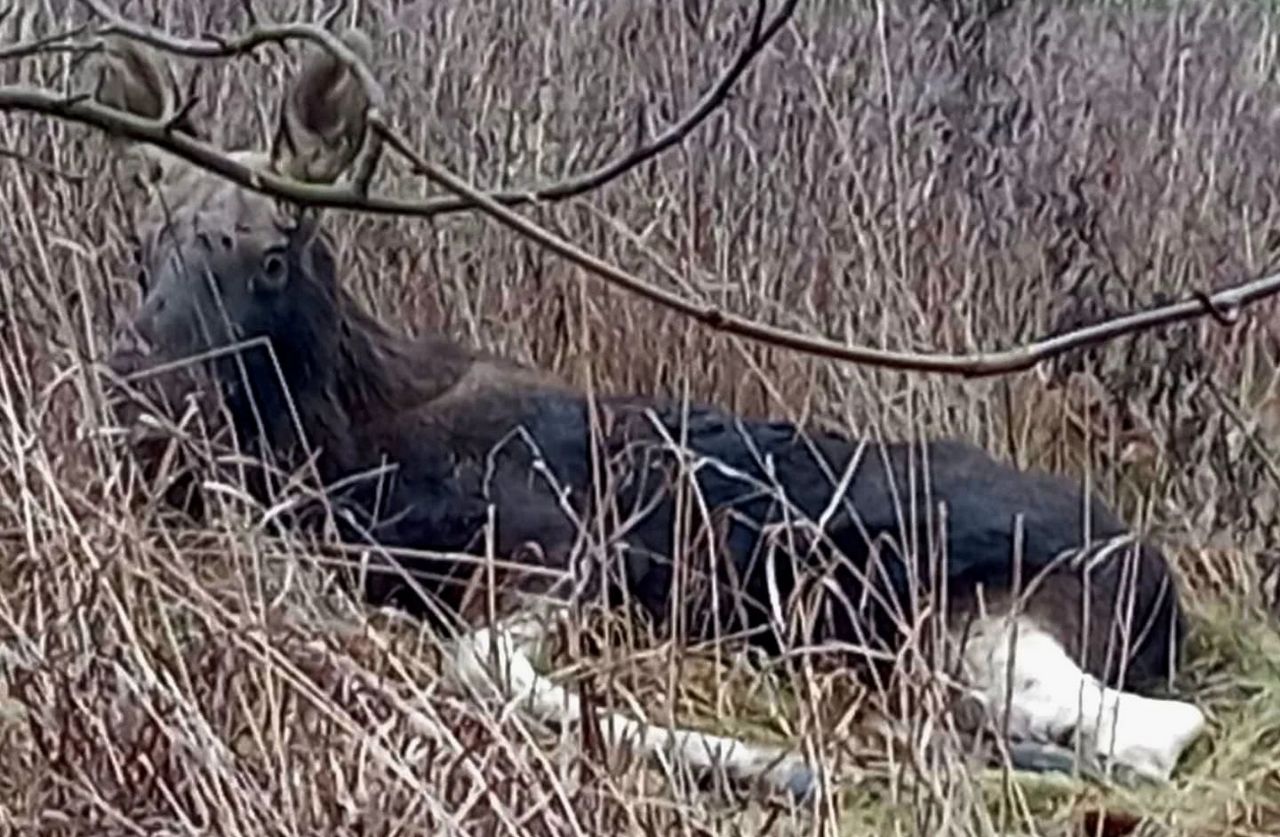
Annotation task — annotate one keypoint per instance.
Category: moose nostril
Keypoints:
(128, 346)
(226, 241)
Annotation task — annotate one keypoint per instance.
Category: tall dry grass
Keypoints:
(896, 174)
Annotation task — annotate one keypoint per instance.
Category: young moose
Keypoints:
(794, 537)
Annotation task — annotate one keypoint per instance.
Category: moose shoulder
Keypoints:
(775, 534)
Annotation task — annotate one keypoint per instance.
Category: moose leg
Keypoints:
(509, 644)
(1015, 667)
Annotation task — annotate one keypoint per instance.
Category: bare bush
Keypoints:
(909, 177)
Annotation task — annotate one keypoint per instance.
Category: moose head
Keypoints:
(229, 274)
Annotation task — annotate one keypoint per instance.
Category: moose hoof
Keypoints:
(800, 783)
(1042, 757)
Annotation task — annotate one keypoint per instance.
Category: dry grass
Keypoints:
(887, 178)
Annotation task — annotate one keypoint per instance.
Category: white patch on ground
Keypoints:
(509, 646)
(1048, 698)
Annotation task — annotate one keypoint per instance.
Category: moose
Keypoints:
(711, 525)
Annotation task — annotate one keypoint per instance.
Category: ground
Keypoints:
(903, 176)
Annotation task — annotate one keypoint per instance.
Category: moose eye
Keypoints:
(139, 266)
(273, 269)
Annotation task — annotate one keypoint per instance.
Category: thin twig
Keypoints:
(47, 44)
(345, 196)
(761, 34)
(1224, 305)
(227, 46)
(240, 44)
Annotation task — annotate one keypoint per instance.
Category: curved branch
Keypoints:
(56, 42)
(83, 110)
(1224, 305)
(257, 35)
(240, 44)
(761, 34)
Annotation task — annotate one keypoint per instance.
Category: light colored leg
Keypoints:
(1049, 698)
(509, 645)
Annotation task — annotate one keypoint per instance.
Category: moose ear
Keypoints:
(134, 78)
(323, 122)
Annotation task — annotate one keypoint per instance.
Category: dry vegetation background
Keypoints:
(905, 175)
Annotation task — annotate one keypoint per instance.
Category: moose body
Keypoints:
(787, 536)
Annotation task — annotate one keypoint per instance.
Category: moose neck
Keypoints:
(346, 376)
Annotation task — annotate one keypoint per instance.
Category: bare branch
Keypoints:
(226, 46)
(761, 34)
(56, 42)
(1226, 303)
(181, 117)
(366, 165)
(242, 44)
(84, 110)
